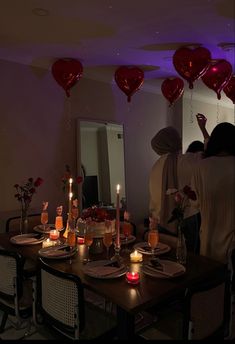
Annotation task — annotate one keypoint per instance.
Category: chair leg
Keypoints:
(3, 322)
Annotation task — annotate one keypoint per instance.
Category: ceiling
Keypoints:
(106, 34)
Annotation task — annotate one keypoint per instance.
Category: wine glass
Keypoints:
(71, 241)
(44, 219)
(107, 238)
(153, 240)
(126, 230)
(88, 240)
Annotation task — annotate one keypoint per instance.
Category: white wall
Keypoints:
(38, 136)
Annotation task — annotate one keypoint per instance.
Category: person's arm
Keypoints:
(201, 120)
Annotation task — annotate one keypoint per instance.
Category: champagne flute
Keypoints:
(153, 240)
(126, 230)
(107, 238)
(44, 219)
(88, 240)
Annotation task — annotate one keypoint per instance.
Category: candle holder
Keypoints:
(117, 256)
(133, 277)
(136, 257)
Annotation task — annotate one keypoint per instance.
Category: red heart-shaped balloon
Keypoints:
(191, 64)
(129, 80)
(218, 75)
(172, 89)
(229, 89)
(67, 72)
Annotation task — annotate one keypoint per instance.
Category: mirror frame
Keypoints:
(78, 152)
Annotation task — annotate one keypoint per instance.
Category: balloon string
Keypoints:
(191, 105)
(217, 113)
(68, 114)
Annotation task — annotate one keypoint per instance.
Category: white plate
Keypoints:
(27, 239)
(129, 240)
(56, 252)
(98, 269)
(49, 227)
(144, 248)
(170, 269)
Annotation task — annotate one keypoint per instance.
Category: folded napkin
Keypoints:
(146, 248)
(167, 268)
(24, 240)
(102, 271)
(56, 253)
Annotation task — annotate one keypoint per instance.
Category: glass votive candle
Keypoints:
(54, 234)
(47, 243)
(132, 277)
(136, 257)
(80, 240)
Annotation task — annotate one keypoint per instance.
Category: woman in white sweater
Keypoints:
(214, 184)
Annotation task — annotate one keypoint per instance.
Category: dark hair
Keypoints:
(222, 139)
(195, 146)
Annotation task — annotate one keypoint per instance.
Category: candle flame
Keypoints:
(70, 195)
(118, 188)
(70, 180)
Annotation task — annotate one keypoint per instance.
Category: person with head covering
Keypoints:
(195, 146)
(214, 184)
(173, 170)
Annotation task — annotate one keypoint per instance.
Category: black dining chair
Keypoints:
(60, 310)
(15, 290)
(13, 223)
(205, 314)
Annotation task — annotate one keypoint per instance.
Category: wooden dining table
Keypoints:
(129, 299)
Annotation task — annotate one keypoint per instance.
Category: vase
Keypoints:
(181, 250)
(24, 222)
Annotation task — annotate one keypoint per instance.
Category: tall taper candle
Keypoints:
(70, 194)
(70, 203)
(118, 218)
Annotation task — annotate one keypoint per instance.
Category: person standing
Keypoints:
(214, 184)
(173, 170)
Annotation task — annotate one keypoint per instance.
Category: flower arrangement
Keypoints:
(182, 198)
(25, 192)
(67, 175)
(95, 214)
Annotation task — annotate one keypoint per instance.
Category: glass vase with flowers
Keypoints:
(182, 199)
(24, 194)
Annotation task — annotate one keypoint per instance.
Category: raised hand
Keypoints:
(201, 120)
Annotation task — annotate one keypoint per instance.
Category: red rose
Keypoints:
(79, 179)
(38, 182)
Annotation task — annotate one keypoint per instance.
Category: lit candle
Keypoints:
(118, 218)
(46, 243)
(70, 202)
(80, 240)
(54, 234)
(70, 194)
(133, 277)
(136, 257)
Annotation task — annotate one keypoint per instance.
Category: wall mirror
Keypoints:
(101, 162)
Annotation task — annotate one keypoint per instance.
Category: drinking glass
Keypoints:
(59, 222)
(44, 219)
(88, 240)
(153, 240)
(71, 241)
(126, 230)
(107, 239)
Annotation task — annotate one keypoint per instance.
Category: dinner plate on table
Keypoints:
(144, 248)
(166, 269)
(104, 269)
(57, 252)
(27, 239)
(49, 227)
(130, 239)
